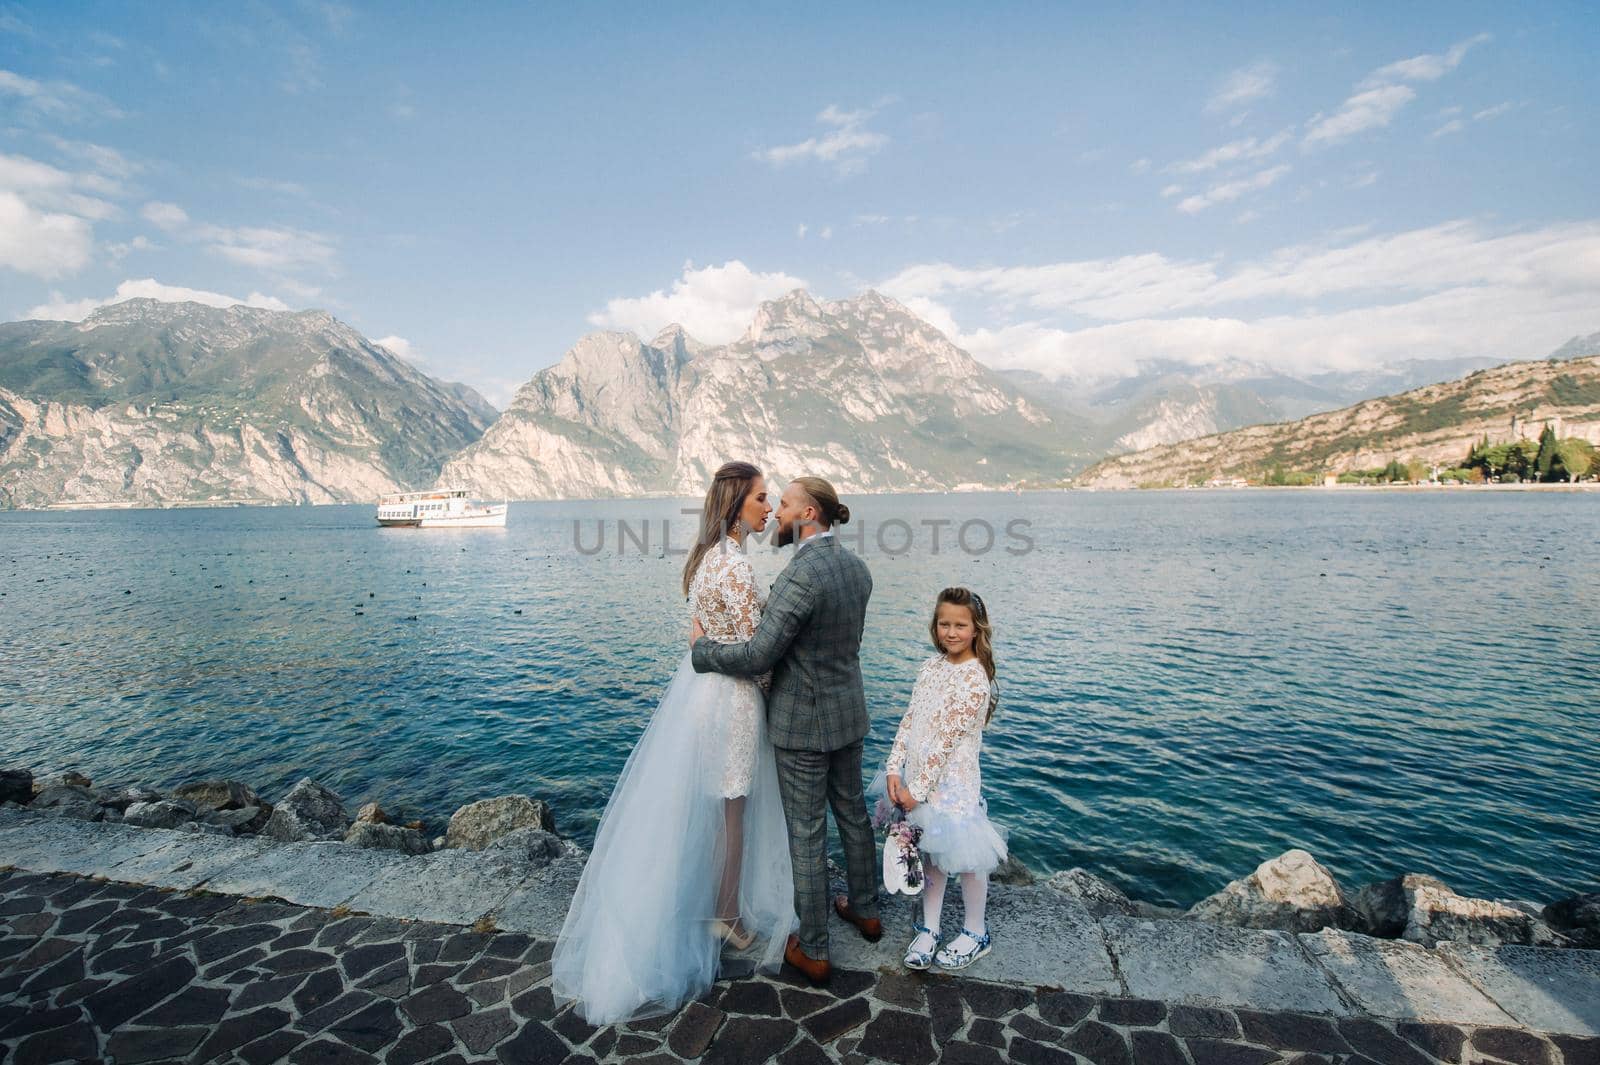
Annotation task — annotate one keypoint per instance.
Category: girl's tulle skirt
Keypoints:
(964, 842)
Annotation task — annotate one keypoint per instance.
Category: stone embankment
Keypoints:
(128, 943)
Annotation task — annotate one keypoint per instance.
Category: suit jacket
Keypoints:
(810, 640)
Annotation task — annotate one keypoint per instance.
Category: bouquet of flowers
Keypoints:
(902, 861)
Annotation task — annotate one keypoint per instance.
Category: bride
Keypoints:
(692, 851)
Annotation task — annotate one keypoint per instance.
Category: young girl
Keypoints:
(932, 774)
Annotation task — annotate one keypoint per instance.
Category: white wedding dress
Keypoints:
(638, 940)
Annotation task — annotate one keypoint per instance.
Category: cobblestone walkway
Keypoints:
(99, 971)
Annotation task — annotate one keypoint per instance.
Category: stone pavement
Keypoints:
(102, 970)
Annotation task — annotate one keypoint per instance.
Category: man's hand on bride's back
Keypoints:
(695, 631)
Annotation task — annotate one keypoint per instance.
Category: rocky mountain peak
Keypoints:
(675, 339)
(786, 323)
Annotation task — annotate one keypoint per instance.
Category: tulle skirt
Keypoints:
(637, 941)
(955, 840)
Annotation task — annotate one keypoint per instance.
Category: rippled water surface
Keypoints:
(1192, 682)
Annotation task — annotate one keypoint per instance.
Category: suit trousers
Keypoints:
(809, 783)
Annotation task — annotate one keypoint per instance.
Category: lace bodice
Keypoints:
(725, 596)
(936, 748)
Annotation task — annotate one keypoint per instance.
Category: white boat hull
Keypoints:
(436, 510)
(495, 519)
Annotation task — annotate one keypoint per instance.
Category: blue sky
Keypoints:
(1063, 190)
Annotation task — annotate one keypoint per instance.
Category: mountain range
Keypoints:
(1435, 424)
(860, 391)
(156, 403)
(150, 402)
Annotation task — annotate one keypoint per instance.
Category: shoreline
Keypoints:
(239, 504)
(1291, 892)
(1052, 951)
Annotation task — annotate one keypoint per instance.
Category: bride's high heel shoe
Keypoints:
(728, 933)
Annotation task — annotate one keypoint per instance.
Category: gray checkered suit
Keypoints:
(810, 639)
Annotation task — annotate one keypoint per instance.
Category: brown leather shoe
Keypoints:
(871, 928)
(818, 972)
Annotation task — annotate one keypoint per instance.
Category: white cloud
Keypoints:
(168, 216)
(1451, 290)
(268, 248)
(401, 347)
(1139, 166)
(1425, 67)
(1369, 109)
(1492, 112)
(846, 145)
(277, 250)
(1245, 150)
(41, 243)
(800, 231)
(282, 188)
(56, 99)
(1170, 191)
(62, 310)
(50, 188)
(1455, 125)
(1244, 86)
(714, 304)
(120, 250)
(827, 233)
(1380, 95)
(106, 161)
(1229, 191)
(59, 309)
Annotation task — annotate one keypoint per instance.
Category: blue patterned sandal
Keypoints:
(920, 959)
(950, 958)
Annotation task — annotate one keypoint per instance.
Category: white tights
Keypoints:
(974, 897)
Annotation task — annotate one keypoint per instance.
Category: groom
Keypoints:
(810, 640)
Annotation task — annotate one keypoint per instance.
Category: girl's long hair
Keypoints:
(982, 640)
(730, 486)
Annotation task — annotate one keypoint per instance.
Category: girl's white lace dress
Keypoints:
(637, 940)
(935, 754)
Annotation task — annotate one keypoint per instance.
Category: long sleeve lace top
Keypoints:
(725, 596)
(936, 748)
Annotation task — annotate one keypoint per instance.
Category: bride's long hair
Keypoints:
(730, 486)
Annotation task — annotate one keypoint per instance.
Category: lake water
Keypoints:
(1192, 682)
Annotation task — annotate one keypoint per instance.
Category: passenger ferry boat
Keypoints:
(441, 508)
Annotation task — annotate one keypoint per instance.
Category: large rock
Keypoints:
(73, 779)
(372, 813)
(1384, 908)
(166, 813)
(1291, 892)
(248, 819)
(1439, 915)
(1577, 918)
(533, 846)
(122, 798)
(1101, 898)
(69, 800)
(1013, 872)
(16, 785)
(218, 794)
(309, 812)
(387, 837)
(475, 826)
